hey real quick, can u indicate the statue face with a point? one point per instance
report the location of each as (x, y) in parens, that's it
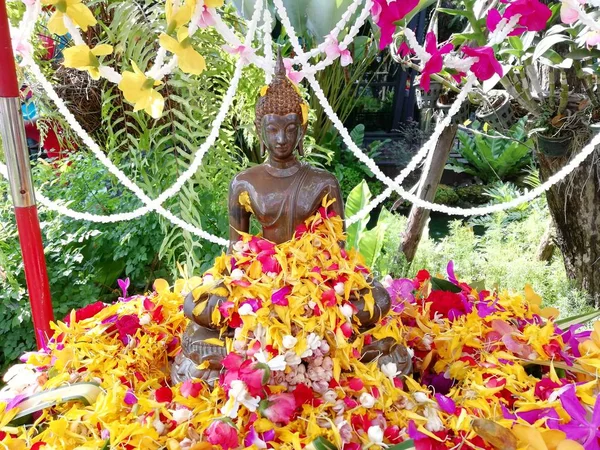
(281, 134)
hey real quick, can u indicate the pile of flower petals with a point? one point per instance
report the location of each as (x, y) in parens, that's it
(492, 370)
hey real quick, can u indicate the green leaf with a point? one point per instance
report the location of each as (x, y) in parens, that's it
(547, 43)
(438, 284)
(576, 320)
(358, 198)
(516, 42)
(406, 445)
(371, 242)
(454, 12)
(321, 443)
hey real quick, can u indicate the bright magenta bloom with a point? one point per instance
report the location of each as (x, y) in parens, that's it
(223, 434)
(534, 16)
(487, 65)
(436, 62)
(386, 15)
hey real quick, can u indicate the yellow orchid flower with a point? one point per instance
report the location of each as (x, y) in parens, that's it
(74, 9)
(189, 60)
(180, 17)
(83, 58)
(138, 89)
(213, 3)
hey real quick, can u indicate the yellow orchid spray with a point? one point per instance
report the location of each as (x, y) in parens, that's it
(84, 58)
(178, 16)
(74, 9)
(138, 89)
(189, 60)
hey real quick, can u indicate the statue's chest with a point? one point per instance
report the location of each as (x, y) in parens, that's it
(281, 202)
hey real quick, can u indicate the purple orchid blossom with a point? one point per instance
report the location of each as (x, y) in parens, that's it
(124, 285)
(579, 428)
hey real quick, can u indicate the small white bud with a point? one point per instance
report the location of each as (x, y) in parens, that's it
(289, 341)
(375, 435)
(237, 274)
(367, 400)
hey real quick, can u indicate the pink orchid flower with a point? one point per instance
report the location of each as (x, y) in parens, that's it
(206, 18)
(258, 439)
(435, 63)
(222, 433)
(245, 53)
(333, 51)
(487, 65)
(404, 50)
(568, 12)
(279, 297)
(295, 76)
(279, 408)
(386, 14)
(493, 19)
(592, 38)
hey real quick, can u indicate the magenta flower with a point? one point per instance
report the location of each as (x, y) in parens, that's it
(487, 65)
(222, 433)
(404, 50)
(446, 403)
(279, 297)
(279, 408)
(579, 428)
(435, 64)
(130, 398)
(258, 439)
(534, 14)
(124, 285)
(387, 14)
(190, 389)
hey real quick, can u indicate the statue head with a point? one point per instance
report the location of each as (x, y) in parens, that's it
(281, 116)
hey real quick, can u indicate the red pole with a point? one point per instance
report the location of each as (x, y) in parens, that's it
(21, 187)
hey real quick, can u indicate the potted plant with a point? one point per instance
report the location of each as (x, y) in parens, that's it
(428, 99)
(496, 110)
(444, 103)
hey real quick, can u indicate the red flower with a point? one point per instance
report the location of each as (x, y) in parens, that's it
(303, 394)
(127, 326)
(448, 304)
(328, 298)
(86, 312)
(422, 276)
(163, 395)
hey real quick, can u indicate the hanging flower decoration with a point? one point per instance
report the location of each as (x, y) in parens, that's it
(139, 90)
(334, 51)
(74, 10)
(188, 59)
(83, 58)
(386, 14)
(435, 62)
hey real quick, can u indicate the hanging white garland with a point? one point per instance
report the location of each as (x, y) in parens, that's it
(267, 64)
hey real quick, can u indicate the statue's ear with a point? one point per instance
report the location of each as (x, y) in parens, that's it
(301, 141)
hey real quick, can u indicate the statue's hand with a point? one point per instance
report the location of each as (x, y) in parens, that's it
(204, 319)
(382, 305)
(388, 351)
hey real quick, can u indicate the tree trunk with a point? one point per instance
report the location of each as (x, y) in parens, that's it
(547, 245)
(418, 216)
(575, 207)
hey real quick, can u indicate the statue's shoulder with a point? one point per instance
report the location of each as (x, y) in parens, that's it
(324, 176)
(245, 178)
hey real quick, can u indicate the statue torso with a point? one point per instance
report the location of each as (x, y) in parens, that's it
(279, 203)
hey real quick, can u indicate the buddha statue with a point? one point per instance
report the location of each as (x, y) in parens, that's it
(281, 194)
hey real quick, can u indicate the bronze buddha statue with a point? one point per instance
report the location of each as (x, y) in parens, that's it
(281, 193)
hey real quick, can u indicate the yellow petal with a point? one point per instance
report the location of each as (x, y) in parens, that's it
(190, 61)
(155, 104)
(531, 296)
(528, 435)
(77, 57)
(213, 3)
(169, 43)
(161, 286)
(182, 34)
(569, 445)
(102, 50)
(81, 15)
(263, 90)
(304, 108)
(131, 85)
(56, 24)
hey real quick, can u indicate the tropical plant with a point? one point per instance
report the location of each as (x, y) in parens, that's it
(367, 242)
(493, 156)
